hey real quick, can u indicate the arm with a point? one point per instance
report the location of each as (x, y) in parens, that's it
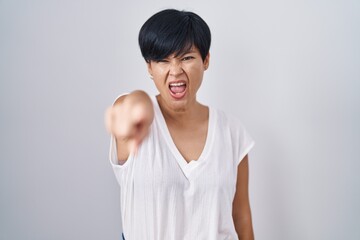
(129, 120)
(241, 204)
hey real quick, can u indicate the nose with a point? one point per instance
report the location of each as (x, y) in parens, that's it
(175, 69)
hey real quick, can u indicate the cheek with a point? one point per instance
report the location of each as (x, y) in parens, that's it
(161, 69)
(195, 73)
(159, 83)
(159, 74)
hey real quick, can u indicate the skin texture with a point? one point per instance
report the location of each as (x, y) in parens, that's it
(241, 204)
(129, 120)
(187, 120)
(188, 67)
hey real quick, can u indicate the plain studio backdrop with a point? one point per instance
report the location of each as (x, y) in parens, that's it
(290, 70)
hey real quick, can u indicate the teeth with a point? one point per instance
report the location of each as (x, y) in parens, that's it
(176, 84)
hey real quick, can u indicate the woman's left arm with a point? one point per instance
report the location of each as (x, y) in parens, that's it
(241, 204)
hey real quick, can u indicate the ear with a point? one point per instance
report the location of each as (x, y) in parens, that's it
(148, 64)
(207, 61)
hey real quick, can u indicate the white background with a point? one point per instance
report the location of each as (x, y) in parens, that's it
(290, 70)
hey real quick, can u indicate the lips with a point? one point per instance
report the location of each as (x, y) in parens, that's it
(177, 89)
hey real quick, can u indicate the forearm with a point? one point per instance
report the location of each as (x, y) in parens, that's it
(243, 227)
(241, 205)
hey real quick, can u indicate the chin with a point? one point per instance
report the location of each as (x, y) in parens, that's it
(176, 105)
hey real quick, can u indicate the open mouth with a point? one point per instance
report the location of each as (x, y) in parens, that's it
(177, 89)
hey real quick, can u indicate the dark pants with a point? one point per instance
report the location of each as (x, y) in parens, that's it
(123, 238)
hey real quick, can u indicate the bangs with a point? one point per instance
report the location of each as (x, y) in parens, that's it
(165, 40)
(173, 32)
(163, 49)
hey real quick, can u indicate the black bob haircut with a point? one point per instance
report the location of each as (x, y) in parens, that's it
(173, 32)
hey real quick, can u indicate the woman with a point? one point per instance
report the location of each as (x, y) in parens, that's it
(182, 166)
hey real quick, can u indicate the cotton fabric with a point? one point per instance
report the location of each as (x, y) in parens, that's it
(164, 197)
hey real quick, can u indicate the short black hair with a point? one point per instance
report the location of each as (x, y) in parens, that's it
(173, 32)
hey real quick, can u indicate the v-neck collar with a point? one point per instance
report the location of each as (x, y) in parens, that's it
(186, 167)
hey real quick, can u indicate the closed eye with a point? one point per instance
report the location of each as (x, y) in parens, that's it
(162, 61)
(187, 58)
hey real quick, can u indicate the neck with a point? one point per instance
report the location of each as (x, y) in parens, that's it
(192, 112)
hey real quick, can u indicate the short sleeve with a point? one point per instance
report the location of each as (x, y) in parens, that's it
(240, 140)
(112, 151)
(246, 143)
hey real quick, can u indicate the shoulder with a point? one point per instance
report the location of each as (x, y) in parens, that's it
(231, 127)
(228, 120)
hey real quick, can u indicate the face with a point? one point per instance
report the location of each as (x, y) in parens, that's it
(178, 79)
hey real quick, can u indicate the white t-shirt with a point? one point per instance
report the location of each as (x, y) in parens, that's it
(164, 197)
